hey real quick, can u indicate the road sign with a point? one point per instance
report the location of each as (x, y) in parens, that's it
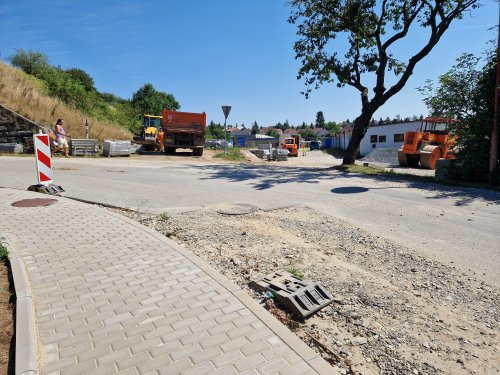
(43, 160)
(226, 109)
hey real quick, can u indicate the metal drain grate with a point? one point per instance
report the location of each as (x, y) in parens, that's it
(35, 202)
(299, 296)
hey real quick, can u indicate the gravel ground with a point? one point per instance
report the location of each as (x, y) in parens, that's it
(393, 312)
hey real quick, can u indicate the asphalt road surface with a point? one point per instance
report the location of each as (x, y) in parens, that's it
(449, 224)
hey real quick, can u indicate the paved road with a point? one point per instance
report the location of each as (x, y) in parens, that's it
(459, 225)
(111, 296)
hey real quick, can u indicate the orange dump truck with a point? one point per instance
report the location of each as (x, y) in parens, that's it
(184, 130)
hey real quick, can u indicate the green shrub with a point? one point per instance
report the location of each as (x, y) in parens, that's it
(232, 154)
(4, 254)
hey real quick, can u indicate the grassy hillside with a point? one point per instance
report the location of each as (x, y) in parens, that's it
(27, 95)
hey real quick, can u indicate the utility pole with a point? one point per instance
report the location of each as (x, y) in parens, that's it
(226, 109)
(494, 132)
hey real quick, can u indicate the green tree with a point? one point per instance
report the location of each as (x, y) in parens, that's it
(320, 120)
(255, 128)
(456, 87)
(31, 62)
(332, 127)
(465, 92)
(308, 134)
(215, 131)
(272, 132)
(82, 77)
(373, 30)
(148, 100)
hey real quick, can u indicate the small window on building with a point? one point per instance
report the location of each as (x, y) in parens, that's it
(374, 145)
(381, 138)
(399, 137)
(373, 139)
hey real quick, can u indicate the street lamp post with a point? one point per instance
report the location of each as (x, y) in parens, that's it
(226, 109)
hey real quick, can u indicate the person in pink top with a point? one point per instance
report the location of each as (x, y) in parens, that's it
(60, 141)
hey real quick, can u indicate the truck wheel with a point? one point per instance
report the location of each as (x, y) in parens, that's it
(200, 152)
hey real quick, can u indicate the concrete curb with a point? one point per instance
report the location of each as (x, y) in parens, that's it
(26, 339)
(303, 350)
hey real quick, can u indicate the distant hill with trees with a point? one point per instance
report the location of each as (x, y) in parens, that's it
(70, 93)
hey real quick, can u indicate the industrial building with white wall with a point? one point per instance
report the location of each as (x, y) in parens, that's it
(378, 136)
(386, 136)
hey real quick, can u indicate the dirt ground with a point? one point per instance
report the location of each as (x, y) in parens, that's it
(394, 311)
(6, 323)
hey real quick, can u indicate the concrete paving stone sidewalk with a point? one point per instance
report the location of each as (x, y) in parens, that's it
(110, 296)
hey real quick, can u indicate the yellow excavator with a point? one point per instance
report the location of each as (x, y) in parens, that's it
(151, 127)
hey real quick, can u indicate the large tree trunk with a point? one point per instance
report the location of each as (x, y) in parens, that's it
(361, 124)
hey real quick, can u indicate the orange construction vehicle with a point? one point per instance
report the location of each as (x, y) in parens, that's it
(292, 145)
(428, 144)
(184, 130)
(151, 127)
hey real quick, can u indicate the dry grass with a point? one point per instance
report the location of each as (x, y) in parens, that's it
(26, 95)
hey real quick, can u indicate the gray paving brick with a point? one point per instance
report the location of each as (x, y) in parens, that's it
(227, 317)
(221, 328)
(273, 366)
(186, 351)
(203, 326)
(249, 362)
(109, 368)
(113, 298)
(214, 341)
(256, 347)
(129, 371)
(185, 323)
(205, 355)
(301, 368)
(126, 343)
(234, 344)
(80, 368)
(114, 357)
(133, 361)
(76, 349)
(239, 331)
(194, 338)
(147, 345)
(155, 364)
(227, 359)
(176, 367)
(165, 348)
(202, 369)
(94, 353)
(63, 363)
(224, 371)
(276, 350)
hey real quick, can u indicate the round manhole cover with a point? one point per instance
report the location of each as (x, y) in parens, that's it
(36, 202)
(236, 209)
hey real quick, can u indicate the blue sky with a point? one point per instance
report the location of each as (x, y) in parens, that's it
(213, 53)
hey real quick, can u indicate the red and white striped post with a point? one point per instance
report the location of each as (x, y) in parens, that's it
(43, 159)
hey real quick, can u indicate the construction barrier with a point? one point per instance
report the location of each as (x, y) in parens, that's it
(43, 160)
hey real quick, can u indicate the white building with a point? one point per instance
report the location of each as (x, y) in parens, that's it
(386, 136)
(378, 136)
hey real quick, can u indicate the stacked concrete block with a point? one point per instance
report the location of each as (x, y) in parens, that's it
(12, 148)
(116, 148)
(83, 147)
